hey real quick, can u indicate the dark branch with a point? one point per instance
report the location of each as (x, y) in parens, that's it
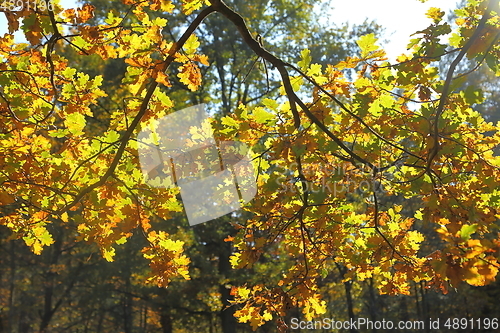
(144, 106)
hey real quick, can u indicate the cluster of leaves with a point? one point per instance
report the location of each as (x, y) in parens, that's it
(396, 129)
(53, 165)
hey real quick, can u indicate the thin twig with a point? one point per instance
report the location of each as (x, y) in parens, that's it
(142, 111)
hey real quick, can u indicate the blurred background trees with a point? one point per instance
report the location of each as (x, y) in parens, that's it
(71, 288)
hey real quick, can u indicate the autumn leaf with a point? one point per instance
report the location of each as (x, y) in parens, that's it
(85, 13)
(189, 6)
(75, 123)
(435, 14)
(367, 44)
(191, 44)
(390, 159)
(163, 79)
(190, 75)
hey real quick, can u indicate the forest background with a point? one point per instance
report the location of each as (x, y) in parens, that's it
(409, 147)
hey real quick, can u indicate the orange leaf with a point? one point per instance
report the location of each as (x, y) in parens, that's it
(85, 13)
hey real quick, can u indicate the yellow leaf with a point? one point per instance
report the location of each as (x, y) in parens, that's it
(267, 316)
(75, 122)
(167, 6)
(367, 44)
(435, 14)
(243, 292)
(108, 254)
(191, 44)
(315, 69)
(203, 59)
(235, 260)
(64, 217)
(174, 246)
(190, 6)
(314, 307)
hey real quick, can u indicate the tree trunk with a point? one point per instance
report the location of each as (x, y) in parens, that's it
(166, 322)
(350, 307)
(372, 303)
(348, 296)
(227, 313)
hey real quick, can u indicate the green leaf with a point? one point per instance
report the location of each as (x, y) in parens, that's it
(320, 193)
(190, 6)
(314, 70)
(228, 121)
(467, 230)
(161, 22)
(136, 41)
(299, 150)
(81, 43)
(270, 103)
(296, 83)
(191, 44)
(386, 101)
(442, 29)
(375, 109)
(45, 238)
(112, 136)
(59, 133)
(138, 28)
(121, 241)
(112, 19)
(82, 79)
(306, 59)
(69, 73)
(163, 98)
(412, 43)
(493, 63)
(261, 116)
(75, 122)
(96, 82)
(472, 95)
(28, 22)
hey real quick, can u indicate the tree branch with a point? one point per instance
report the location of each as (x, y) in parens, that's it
(449, 78)
(259, 50)
(238, 21)
(144, 106)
